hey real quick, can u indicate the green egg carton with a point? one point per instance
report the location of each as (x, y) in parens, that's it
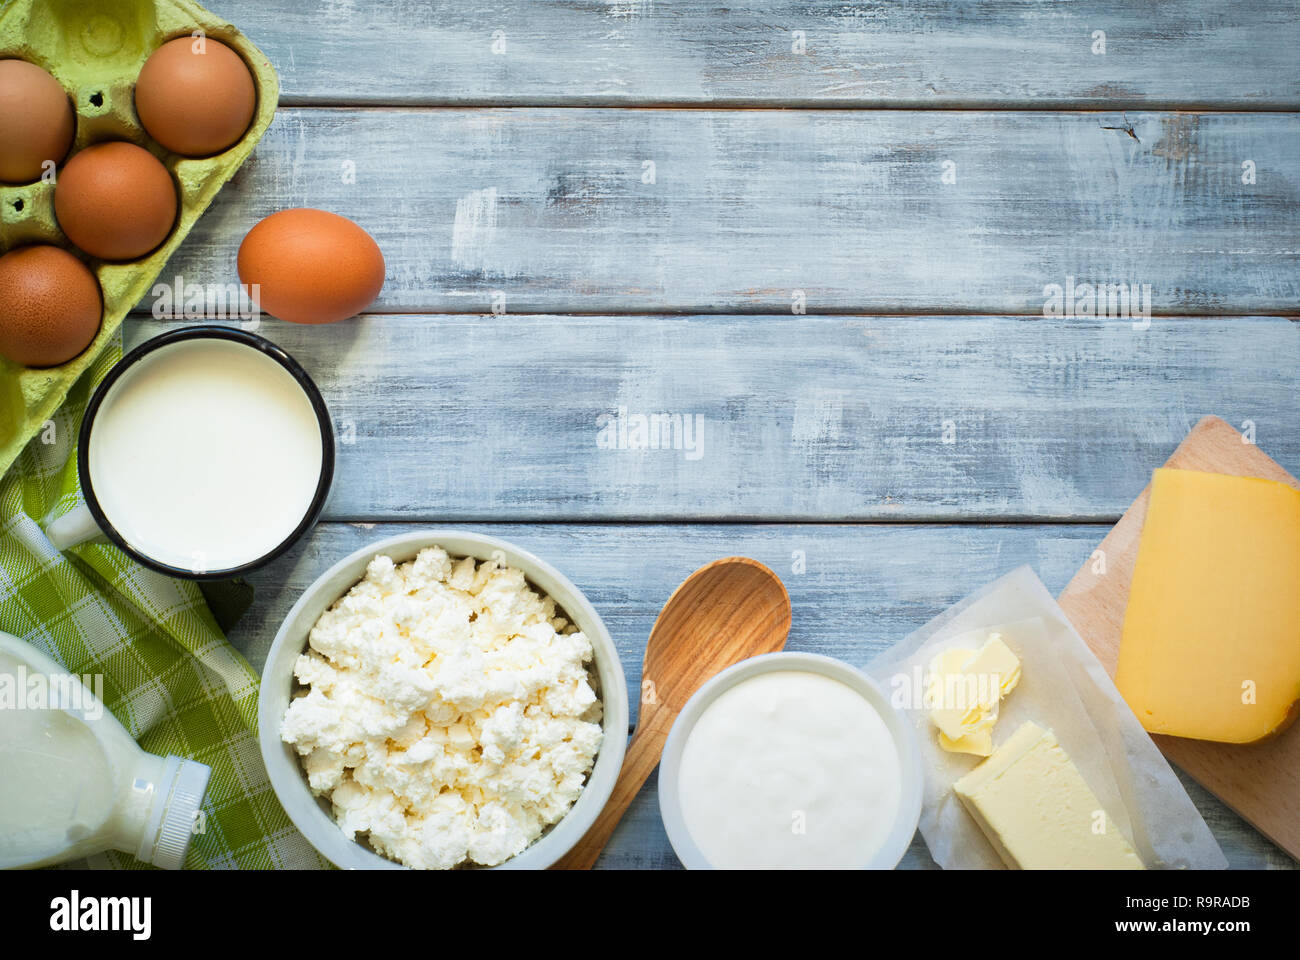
(95, 50)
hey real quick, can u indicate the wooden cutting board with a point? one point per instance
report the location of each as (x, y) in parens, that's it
(1260, 781)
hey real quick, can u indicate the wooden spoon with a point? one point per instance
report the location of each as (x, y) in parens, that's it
(725, 612)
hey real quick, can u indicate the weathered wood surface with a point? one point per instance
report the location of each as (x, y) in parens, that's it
(549, 207)
(862, 588)
(927, 52)
(865, 586)
(493, 419)
(792, 418)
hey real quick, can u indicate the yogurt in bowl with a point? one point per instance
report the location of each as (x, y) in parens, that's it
(790, 760)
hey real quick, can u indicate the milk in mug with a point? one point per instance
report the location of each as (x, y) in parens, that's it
(206, 455)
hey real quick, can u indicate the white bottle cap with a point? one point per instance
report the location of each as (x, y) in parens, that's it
(171, 821)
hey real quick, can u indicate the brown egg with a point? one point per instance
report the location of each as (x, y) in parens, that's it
(50, 306)
(36, 121)
(311, 266)
(195, 103)
(115, 200)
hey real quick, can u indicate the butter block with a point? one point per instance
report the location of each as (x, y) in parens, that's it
(963, 692)
(1038, 812)
(1211, 643)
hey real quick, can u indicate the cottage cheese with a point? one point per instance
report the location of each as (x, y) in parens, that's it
(449, 713)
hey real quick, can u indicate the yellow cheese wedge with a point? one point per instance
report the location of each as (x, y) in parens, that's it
(1211, 641)
(1038, 812)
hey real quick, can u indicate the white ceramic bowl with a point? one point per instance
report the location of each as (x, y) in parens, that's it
(312, 815)
(909, 754)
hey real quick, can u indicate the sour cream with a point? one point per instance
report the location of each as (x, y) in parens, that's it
(789, 769)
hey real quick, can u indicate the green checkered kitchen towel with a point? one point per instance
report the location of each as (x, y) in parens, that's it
(169, 674)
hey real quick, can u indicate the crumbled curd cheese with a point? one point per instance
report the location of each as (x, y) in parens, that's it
(449, 715)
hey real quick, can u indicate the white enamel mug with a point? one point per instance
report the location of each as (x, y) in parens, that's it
(202, 486)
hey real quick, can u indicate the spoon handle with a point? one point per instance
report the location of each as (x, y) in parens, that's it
(642, 757)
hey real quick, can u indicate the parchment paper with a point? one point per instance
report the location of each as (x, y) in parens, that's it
(1064, 688)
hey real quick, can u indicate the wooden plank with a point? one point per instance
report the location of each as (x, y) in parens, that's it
(549, 208)
(1260, 781)
(922, 53)
(808, 418)
(862, 588)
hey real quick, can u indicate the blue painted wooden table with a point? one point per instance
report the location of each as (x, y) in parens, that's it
(833, 240)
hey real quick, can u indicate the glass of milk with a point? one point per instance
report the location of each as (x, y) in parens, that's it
(206, 452)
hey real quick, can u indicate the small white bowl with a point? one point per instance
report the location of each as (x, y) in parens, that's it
(909, 754)
(312, 816)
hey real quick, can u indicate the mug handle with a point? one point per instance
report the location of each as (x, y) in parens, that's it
(74, 527)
